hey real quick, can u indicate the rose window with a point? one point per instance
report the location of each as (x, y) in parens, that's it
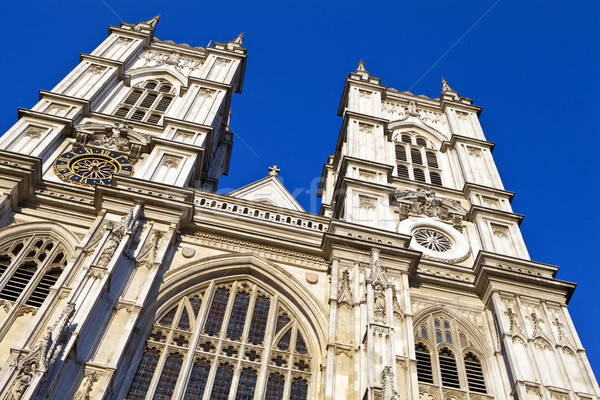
(432, 240)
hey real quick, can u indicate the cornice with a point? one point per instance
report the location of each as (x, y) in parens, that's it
(84, 104)
(119, 65)
(466, 106)
(22, 112)
(270, 252)
(346, 160)
(360, 83)
(145, 37)
(451, 144)
(477, 209)
(469, 188)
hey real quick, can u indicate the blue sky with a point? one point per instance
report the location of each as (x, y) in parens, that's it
(533, 67)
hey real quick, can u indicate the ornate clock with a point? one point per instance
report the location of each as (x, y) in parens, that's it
(91, 166)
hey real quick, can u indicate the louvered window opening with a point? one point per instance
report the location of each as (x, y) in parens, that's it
(147, 103)
(474, 374)
(414, 160)
(424, 370)
(448, 369)
(229, 323)
(30, 266)
(443, 367)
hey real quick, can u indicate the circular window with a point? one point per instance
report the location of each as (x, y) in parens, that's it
(435, 239)
(432, 240)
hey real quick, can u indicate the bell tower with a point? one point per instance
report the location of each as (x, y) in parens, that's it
(137, 107)
(429, 263)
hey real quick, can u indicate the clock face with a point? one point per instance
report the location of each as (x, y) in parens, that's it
(91, 167)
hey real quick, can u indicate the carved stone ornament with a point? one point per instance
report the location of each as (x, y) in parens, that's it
(128, 225)
(426, 202)
(387, 380)
(379, 282)
(147, 254)
(344, 292)
(118, 137)
(87, 386)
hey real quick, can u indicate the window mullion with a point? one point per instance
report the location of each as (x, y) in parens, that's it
(164, 353)
(17, 260)
(39, 274)
(263, 374)
(188, 361)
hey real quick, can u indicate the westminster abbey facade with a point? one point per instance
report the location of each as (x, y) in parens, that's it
(124, 275)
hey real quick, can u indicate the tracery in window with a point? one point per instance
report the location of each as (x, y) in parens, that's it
(37, 262)
(444, 361)
(147, 101)
(217, 333)
(417, 159)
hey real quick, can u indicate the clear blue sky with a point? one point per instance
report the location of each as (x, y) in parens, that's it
(533, 66)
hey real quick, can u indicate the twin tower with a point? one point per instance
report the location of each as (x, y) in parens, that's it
(123, 275)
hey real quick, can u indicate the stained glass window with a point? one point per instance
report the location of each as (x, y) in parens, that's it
(275, 387)
(196, 302)
(247, 384)
(222, 350)
(284, 342)
(300, 345)
(198, 378)
(168, 378)
(184, 321)
(238, 316)
(143, 376)
(222, 385)
(259, 320)
(299, 389)
(167, 320)
(217, 312)
(282, 321)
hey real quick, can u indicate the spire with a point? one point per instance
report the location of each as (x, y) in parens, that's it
(361, 67)
(154, 21)
(448, 92)
(445, 86)
(143, 26)
(239, 39)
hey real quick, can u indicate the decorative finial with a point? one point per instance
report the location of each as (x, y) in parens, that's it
(361, 66)
(154, 21)
(239, 39)
(274, 171)
(445, 86)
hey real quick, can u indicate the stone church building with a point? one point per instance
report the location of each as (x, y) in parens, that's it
(123, 275)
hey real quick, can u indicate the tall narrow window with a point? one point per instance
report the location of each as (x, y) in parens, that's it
(448, 369)
(147, 102)
(416, 160)
(400, 153)
(424, 371)
(474, 374)
(38, 262)
(230, 333)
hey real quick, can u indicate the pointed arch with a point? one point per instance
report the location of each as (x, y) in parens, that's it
(277, 327)
(480, 343)
(57, 231)
(419, 128)
(176, 78)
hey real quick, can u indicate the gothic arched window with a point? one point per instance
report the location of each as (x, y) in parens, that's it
(147, 101)
(442, 367)
(227, 340)
(29, 267)
(417, 159)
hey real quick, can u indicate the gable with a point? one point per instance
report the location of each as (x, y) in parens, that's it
(269, 191)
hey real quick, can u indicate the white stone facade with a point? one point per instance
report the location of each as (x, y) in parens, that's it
(413, 283)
